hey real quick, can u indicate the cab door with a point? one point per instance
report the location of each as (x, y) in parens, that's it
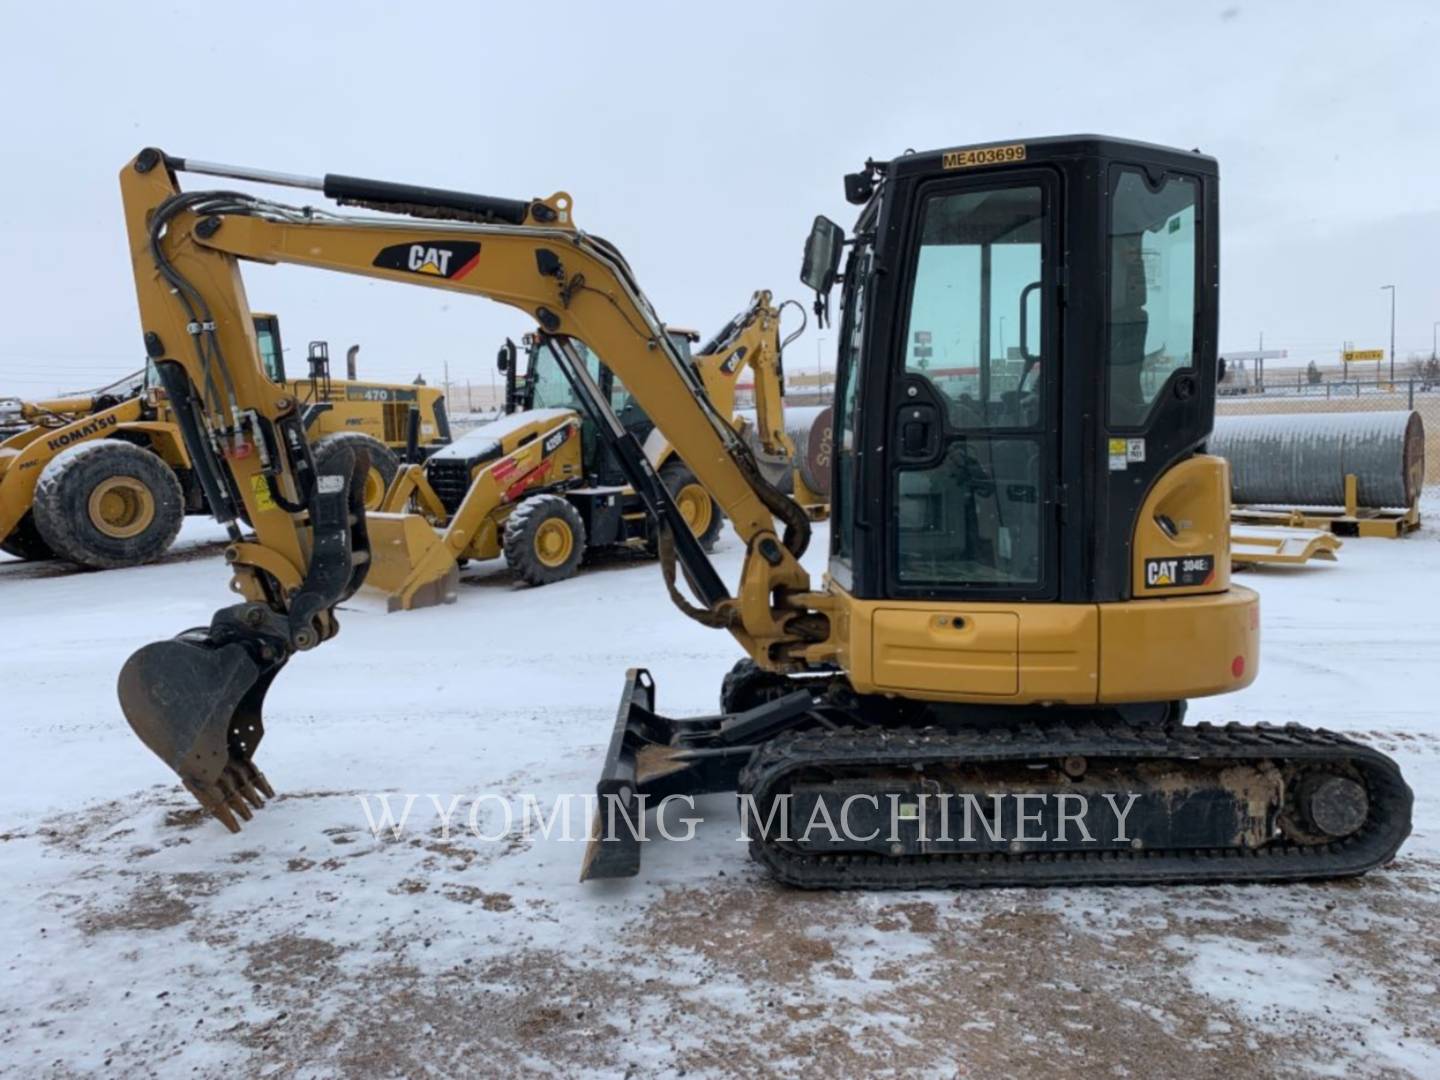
(973, 461)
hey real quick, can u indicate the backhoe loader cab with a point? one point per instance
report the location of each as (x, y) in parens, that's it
(572, 464)
(546, 386)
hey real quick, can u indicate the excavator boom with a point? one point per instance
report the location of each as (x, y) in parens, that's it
(196, 700)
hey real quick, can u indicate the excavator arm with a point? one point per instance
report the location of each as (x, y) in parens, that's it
(196, 700)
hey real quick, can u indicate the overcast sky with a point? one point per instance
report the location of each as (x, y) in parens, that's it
(702, 139)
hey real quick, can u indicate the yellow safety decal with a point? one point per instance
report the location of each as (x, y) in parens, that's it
(262, 492)
(987, 155)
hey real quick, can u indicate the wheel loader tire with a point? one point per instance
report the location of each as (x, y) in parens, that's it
(544, 540)
(747, 684)
(383, 462)
(108, 504)
(25, 541)
(699, 510)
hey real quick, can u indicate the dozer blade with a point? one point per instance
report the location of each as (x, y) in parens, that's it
(410, 562)
(196, 705)
(651, 757)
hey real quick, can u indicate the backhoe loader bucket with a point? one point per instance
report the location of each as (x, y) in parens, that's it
(410, 562)
(196, 703)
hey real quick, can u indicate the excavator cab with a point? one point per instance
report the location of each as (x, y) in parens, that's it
(1037, 355)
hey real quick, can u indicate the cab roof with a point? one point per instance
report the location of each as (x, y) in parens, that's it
(968, 156)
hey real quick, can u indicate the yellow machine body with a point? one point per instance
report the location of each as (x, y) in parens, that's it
(413, 562)
(35, 431)
(1198, 640)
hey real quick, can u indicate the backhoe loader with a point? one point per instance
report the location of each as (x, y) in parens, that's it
(103, 479)
(1029, 570)
(540, 486)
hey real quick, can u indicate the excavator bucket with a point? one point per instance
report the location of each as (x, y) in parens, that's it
(196, 699)
(410, 562)
(196, 704)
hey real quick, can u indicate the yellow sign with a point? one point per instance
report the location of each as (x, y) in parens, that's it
(261, 489)
(1363, 355)
(987, 155)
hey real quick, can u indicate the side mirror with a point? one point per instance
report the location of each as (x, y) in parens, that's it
(503, 359)
(822, 255)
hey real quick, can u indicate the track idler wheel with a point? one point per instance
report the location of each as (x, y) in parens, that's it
(1332, 806)
(196, 702)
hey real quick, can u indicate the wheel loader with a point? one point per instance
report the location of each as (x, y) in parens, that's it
(541, 487)
(1028, 572)
(104, 480)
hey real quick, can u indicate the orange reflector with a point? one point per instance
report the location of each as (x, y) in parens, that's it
(1237, 666)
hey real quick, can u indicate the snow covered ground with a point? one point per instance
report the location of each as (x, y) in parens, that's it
(137, 935)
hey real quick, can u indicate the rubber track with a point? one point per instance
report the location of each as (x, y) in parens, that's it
(1374, 844)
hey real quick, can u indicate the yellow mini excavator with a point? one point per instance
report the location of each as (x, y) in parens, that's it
(103, 479)
(1028, 572)
(540, 486)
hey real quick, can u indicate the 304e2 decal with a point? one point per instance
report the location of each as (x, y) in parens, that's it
(449, 259)
(1179, 573)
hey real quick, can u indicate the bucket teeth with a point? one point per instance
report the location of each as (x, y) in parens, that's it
(257, 778)
(220, 811)
(251, 795)
(235, 795)
(234, 802)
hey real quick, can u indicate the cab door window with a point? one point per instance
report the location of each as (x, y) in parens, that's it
(976, 341)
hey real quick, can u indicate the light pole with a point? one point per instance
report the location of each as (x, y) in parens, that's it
(1433, 328)
(1392, 330)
